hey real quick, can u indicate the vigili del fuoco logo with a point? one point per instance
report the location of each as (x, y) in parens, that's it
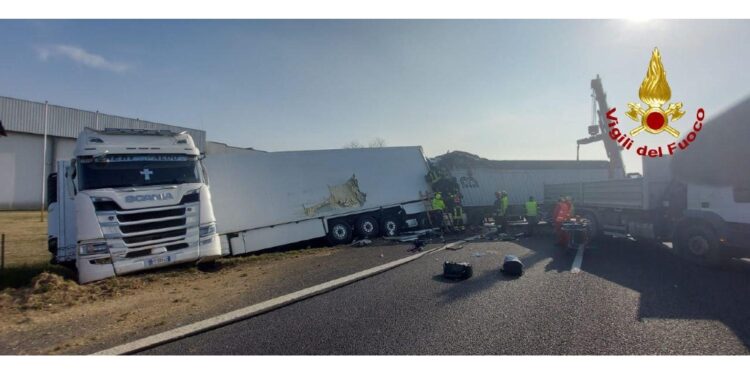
(654, 118)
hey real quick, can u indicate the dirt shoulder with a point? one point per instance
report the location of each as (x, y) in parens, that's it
(57, 316)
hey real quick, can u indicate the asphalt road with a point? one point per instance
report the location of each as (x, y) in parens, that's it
(629, 298)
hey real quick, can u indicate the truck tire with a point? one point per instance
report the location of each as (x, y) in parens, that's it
(339, 232)
(367, 227)
(52, 245)
(699, 244)
(592, 230)
(390, 226)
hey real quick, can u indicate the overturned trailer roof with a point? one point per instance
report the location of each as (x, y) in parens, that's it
(462, 159)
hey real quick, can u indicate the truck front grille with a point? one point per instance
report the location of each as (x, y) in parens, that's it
(136, 232)
(155, 236)
(152, 226)
(126, 218)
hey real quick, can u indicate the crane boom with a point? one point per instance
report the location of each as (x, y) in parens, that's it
(616, 165)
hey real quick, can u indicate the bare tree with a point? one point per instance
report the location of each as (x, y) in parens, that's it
(353, 144)
(377, 142)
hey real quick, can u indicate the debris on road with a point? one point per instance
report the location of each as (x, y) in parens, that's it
(361, 243)
(418, 245)
(502, 236)
(512, 266)
(577, 232)
(413, 235)
(457, 271)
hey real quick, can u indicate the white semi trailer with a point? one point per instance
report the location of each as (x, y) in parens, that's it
(706, 223)
(478, 179)
(268, 199)
(130, 200)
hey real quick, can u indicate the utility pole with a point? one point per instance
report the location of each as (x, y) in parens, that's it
(44, 163)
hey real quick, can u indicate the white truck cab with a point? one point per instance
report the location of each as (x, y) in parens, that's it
(130, 200)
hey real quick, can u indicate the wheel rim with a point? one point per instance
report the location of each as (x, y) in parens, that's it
(367, 227)
(698, 245)
(339, 231)
(591, 228)
(390, 228)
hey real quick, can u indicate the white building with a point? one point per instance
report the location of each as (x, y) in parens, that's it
(22, 151)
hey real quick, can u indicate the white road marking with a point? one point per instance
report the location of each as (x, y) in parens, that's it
(576, 268)
(259, 308)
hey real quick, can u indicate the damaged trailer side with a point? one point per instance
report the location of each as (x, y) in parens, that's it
(269, 199)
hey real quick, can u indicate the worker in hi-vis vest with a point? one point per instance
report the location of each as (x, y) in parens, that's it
(532, 215)
(438, 206)
(501, 207)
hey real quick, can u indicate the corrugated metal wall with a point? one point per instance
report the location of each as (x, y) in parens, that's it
(28, 117)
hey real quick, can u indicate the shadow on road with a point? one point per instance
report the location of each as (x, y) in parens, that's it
(669, 287)
(672, 288)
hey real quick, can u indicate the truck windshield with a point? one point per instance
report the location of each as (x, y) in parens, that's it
(117, 171)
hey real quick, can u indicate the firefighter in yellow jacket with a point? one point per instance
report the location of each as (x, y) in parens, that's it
(501, 210)
(438, 207)
(532, 215)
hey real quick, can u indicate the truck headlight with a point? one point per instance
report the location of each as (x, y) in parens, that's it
(93, 248)
(191, 196)
(208, 230)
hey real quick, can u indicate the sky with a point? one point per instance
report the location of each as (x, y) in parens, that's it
(502, 89)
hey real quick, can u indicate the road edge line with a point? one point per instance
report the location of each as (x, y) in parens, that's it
(578, 260)
(266, 306)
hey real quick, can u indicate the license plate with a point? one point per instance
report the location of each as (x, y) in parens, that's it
(158, 260)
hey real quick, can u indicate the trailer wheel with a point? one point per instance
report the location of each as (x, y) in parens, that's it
(339, 232)
(367, 227)
(390, 226)
(699, 244)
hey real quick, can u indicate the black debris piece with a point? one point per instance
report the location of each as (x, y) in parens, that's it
(418, 245)
(512, 266)
(361, 243)
(457, 271)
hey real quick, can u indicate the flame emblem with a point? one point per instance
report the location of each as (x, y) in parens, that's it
(655, 92)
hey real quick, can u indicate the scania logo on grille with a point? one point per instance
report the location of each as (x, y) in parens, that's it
(148, 197)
